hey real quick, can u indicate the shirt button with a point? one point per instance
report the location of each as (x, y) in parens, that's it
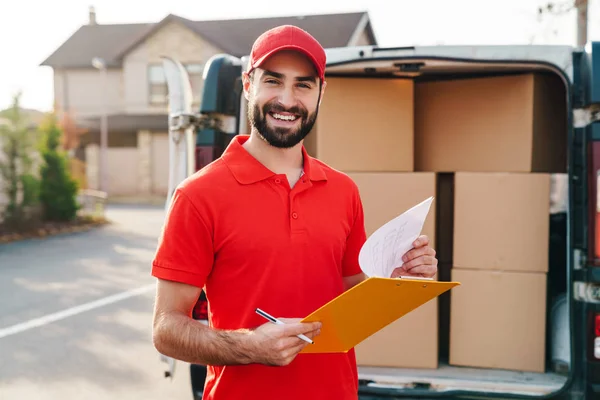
(277, 180)
(294, 215)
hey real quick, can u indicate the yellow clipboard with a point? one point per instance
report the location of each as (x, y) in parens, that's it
(367, 308)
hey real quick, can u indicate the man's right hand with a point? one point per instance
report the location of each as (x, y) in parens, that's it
(278, 345)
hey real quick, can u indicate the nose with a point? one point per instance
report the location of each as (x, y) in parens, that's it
(287, 98)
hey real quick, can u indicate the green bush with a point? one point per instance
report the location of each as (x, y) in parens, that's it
(31, 190)
(17, 145)
(58, 191)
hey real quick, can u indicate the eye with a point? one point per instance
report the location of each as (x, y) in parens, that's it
(271, 81)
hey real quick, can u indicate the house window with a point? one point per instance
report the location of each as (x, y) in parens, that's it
(158, 85)
(158, 92)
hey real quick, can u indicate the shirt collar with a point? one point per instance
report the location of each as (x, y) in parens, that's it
(246, 169)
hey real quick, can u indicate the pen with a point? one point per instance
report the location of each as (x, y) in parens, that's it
(278, 322)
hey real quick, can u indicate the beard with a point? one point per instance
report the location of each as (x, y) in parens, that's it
(282, 138)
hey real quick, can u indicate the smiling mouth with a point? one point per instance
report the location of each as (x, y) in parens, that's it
(284, 117)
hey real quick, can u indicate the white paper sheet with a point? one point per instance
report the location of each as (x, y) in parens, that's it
(383, 250)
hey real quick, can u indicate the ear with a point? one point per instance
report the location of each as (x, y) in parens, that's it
(246, 84)
(322, 92)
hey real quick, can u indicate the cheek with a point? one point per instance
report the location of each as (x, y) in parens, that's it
(261, 100)
(255, 104)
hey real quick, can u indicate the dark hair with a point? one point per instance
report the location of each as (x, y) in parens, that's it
(251, 77)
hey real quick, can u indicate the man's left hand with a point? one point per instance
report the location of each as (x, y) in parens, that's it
(420, 261)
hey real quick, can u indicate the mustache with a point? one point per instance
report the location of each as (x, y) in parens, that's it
(279, 108)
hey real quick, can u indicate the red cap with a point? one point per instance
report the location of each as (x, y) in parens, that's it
(287, 37)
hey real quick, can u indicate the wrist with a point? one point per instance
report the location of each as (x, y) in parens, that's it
(241, 344)
(247, 340)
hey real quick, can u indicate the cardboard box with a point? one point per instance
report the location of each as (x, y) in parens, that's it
(412, 341)
(498, 320)
(385, 195)
(365, 124)
(501, 221)
(493, 124)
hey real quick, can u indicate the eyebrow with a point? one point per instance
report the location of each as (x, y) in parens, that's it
(277, 75)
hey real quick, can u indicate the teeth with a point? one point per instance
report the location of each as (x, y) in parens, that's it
(285, 117)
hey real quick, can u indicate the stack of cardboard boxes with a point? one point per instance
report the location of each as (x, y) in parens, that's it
(485, 147)
(366, 129)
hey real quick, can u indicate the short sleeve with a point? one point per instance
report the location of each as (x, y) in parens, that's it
(355, 239)
(185, 246)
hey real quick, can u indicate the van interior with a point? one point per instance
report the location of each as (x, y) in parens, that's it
(489, 141)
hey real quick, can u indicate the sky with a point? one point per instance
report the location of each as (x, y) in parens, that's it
(30, 30)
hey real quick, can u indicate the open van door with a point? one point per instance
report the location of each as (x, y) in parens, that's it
(585, 201)
(220, 106)
(198, 138)
(181, 144)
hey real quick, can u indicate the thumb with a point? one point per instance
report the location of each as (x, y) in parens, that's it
(398, 271)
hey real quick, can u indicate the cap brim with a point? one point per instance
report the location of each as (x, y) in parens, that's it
(261, 60)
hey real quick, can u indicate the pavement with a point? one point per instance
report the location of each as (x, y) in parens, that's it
(76, 314)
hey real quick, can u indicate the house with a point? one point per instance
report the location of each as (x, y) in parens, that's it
(127, 82)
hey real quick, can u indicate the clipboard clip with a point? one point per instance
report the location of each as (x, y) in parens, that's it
(416, 278)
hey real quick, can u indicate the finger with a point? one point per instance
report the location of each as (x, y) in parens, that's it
(292, 352)
(291, 345)
(294, 339)
(416, 262)
(301, 328)
(422, 240)
(414, 253)
(398, 272)
(290, 320)
(426, 271)
(286, 352)
(296, 321)
(313, 334)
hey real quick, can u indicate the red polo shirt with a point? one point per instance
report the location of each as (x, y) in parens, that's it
(238, 230)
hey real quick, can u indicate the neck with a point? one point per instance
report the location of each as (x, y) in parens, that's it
(280, 161)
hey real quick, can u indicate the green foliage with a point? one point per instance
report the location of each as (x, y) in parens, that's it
(52, 196)
(58, 190)
(31, 190)
(17, 140)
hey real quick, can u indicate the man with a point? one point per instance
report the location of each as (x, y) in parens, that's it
(266, 226)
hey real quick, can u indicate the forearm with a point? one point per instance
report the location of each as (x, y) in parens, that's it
(351, 281)
(185, 339)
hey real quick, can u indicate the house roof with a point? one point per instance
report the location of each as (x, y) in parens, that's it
(233, 36)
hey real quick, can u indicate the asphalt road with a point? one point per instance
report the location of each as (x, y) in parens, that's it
(76, 313)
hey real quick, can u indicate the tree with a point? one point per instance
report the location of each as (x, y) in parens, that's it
(71, 133)
(58, 191)
(17, 139)
(70, 141)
